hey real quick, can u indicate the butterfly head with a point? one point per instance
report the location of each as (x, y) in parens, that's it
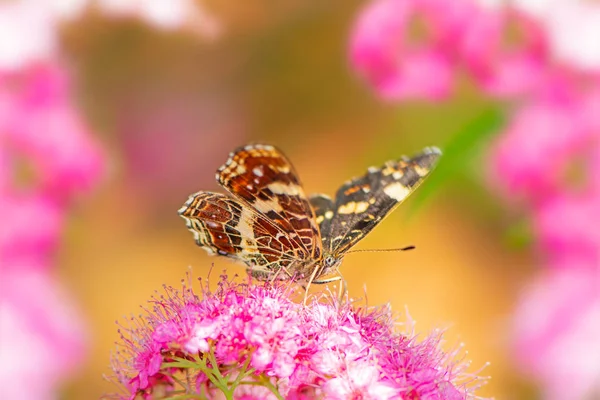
(330, 263)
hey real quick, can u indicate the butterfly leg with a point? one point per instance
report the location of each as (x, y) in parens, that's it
(311, 279)
(343, 284)
(276, 274)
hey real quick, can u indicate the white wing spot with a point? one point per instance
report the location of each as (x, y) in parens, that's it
(347, 208)
(285, 169)
(421, 171)
(240, 169)
(396, 191)
(361, 207)
(278, 188)
(353, 207)
(258, 171)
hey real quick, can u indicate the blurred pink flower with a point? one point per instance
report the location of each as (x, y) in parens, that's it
(549, 156)
(47, 156)
(42, 335)
(399, 66)
(44, 128)
(567, 228)
(509, 48)
(572, 28)
(153, 153)
(545, 137)
(258, 334)
(505, 67)
(173, 14)
(556, 331)
(27, 34)
(30, 232)
(36, 23)
(65, 156)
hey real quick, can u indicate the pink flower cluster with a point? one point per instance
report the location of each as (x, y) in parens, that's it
(544, 57)
(410, 49)
(47, 158)
(251, 341)
(549, 158)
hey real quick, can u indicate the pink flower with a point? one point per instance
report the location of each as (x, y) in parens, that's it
(44, 128)
(250, 333)
(360, 380)
(567, 225)
(556, 331)
(571, 28)
(504, 69)
(20, 245)
(169, 15)
(37, 23)
(544, 138)
(42, 335)
(400, 66)
(35, 29)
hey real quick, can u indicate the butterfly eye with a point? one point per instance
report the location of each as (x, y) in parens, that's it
(329, 261)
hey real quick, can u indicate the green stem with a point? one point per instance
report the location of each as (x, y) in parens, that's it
(180, 382)
(219, 380)
(216, 377)
(244, 372)
(267, 383)
(186, 397)
(180, 364)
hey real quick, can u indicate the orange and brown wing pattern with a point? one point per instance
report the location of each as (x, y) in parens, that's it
(262, 177)
(224, 226)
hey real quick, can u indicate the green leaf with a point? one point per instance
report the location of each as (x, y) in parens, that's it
(458, 153)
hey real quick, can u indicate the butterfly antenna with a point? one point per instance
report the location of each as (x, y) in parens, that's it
(381, 250)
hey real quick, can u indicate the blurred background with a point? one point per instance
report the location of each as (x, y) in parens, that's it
(158, 95)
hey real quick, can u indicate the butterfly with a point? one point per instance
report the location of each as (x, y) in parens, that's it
(267, 222)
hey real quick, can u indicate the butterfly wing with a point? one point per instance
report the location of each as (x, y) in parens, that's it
(221, 225)
(361, 203)
(324, 212)
(264, 179)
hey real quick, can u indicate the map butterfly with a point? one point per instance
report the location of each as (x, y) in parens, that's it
(268, 223)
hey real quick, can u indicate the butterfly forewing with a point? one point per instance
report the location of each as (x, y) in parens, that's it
(361, 203)
(324, 212)
(263, 178)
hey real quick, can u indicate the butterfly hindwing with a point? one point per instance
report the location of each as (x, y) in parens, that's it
(361, 203)
(224, 226)
(262, 177)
